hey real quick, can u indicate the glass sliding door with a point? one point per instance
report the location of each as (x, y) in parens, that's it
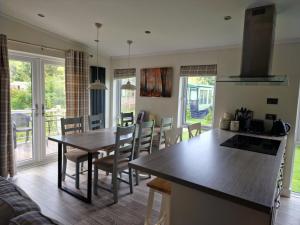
(22, 108)
(37, 86)
(54, 106)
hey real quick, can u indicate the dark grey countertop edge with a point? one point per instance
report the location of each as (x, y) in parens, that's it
(250, 204)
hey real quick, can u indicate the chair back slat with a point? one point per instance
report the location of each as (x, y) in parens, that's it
(145, 137)
(125, 140)
(173, 136)
(127, 119)
(194, 129)
(165, 124)
(71, 125)
(96, 121)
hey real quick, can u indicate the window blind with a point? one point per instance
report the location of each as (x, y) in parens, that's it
(124, 73)
(198, 70)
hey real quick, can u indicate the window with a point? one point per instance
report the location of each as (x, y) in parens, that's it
(125, 98)
(198, 104)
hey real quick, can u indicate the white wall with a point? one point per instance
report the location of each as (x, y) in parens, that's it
(229, 96)
(18, 30)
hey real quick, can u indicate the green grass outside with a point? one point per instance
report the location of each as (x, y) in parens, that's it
(296, 171)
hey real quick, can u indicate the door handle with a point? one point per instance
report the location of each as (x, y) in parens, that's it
(36, 110)
(43, 110)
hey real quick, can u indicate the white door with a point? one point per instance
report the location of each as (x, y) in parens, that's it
(37, 104)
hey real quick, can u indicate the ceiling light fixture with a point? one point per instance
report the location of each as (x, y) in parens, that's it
(129, 85)
(97, 85)
(41, 15)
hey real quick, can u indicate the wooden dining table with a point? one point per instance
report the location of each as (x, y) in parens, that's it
(90, 142)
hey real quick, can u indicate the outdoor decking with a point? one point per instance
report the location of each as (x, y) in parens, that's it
(23, 151)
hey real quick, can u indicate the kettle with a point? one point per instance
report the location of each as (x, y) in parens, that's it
(280, 128)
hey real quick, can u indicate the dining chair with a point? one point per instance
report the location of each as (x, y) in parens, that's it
(117, 163)
(72, 126)
(96, 121)
(173, 136)
(194, 129)
(166, 123)
(127, 119)
(144, 143)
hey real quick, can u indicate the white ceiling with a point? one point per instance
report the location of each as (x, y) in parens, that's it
(175, 24)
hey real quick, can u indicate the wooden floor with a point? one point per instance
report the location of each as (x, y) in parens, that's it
(41, 184)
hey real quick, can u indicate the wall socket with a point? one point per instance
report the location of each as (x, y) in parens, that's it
(271, 116)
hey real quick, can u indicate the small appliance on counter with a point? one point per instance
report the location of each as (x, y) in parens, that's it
(257, 126)
(225, 121)
(280, 128)
(244, 116)
(235, 125)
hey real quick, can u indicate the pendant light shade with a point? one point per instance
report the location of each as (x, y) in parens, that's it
(128, 85)
(97, 85)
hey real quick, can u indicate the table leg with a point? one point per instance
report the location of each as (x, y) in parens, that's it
(89, 183)
(59, 175)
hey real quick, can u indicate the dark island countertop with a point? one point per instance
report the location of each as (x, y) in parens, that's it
(245, 177)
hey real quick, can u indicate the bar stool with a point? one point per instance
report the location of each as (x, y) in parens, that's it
(162, 187)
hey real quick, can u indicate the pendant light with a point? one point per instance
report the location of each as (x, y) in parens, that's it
(97, 85)
(128, 85)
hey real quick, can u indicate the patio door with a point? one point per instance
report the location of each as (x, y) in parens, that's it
(37, 104)
(53, 102)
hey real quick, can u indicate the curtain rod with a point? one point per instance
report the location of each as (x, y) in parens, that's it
(36, 45)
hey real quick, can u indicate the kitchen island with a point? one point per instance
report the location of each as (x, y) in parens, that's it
(217, 185)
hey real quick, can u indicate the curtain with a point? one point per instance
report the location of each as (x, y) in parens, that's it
(6, 144)
(198, 70)
(124, 73)
(77, 96)
(97, 97)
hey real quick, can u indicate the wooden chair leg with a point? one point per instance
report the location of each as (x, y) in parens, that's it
(95, 180)
(77, 175)
(130, 180)
(137, 177)
(64, 168)
(115, 186)
(149, 207)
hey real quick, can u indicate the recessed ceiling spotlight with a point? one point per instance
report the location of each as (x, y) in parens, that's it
(41, 15)
(227, 17)
(147, 32)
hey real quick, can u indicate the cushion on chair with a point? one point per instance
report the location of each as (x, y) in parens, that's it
(160, 185)
(76, 155)
(107, 163)
(33, 218)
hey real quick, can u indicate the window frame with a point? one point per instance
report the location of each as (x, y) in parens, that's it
(119, 97)
(185, 94)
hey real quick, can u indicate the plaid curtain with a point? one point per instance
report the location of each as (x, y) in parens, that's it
(198, 70)
(77, 101)
(6, 146)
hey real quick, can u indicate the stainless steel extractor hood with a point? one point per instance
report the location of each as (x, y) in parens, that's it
(258, 43)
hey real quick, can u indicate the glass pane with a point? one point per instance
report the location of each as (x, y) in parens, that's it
(128, 97)
(200, 100)
(21, 105)
(55, 102)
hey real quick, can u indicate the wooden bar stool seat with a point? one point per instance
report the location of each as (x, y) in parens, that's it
(164, 188)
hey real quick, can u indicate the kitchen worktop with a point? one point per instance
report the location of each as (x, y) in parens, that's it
(244, 177)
